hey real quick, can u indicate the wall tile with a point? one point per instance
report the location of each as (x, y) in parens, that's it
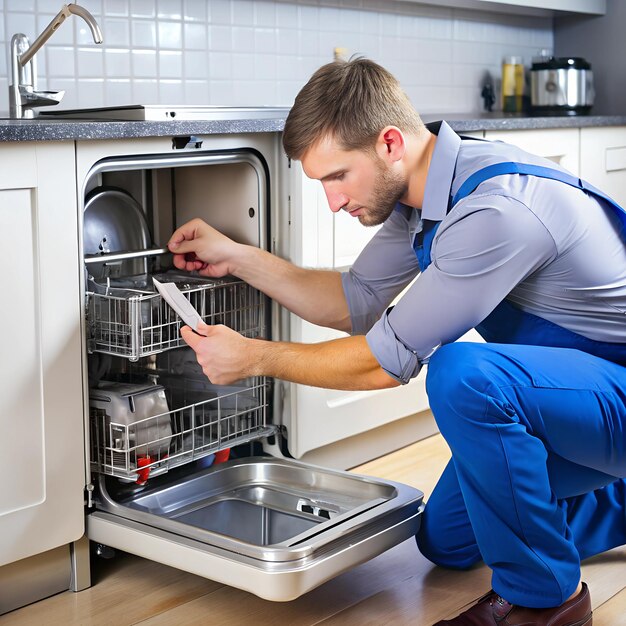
(21, 23)
(266, 40)
(43, 6)
(117, 62)
(4, 95)
(90, 92)
(170, 64)
(196, 64)
(116, 8)
(243, 12)
(19, 5)
(61, 61)
(195, 37)
(308, 18)
(90, 63)
(220, 12)
(243, 67)
(142, 8)
(171, 91)
(196, 92)
(265, 67)
(117, 32)
(264, 14)
(118, 92)
(195, 11)
(221, 38)
(243, 39)
(221, 92)
(146, 91)
(220, 66)
(170, 35)
(287, 15)
(143, 33)
(170, 9)
(144, 63)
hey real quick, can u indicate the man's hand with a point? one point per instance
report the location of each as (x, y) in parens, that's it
(198, 246)
(224, 355)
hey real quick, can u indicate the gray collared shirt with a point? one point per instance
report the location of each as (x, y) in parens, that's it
(548, 248)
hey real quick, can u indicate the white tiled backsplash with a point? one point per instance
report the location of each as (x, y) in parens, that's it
(243, 52)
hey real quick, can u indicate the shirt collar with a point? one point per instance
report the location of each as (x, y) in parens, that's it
(440, 172)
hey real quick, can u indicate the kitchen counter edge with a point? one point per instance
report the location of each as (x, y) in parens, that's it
(61, 130)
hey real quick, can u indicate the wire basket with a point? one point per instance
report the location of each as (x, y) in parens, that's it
(131, 320)
(204, 419)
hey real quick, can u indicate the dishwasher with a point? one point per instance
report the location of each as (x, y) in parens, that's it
(159, 481)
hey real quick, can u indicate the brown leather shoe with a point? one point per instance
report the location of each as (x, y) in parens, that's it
(492, 610)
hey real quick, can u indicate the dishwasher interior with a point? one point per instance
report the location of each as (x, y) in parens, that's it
(160, 433)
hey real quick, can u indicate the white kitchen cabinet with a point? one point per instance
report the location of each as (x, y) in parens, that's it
(42, 463)
(560, 145)
(603, 160)
(324, 240)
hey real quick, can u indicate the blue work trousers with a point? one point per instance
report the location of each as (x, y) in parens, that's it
(536, 480)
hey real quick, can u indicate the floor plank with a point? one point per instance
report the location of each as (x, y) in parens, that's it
(125, 590)
(399, 587)
(612, 612)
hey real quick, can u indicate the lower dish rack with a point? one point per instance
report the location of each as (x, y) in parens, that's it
(202, 419)
(128, 318)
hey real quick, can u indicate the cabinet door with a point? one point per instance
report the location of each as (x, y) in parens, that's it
(603, 160)
(560, 145)
(41, 408)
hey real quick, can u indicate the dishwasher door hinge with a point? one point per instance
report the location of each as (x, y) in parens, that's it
(89, 496)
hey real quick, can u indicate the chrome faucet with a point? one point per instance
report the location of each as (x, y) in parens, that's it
(23, 94)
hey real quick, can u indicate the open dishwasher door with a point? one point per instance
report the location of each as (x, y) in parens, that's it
(274, 527)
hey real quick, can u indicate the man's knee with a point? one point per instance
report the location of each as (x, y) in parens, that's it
(440, 547)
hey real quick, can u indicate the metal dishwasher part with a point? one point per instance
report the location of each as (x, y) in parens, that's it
(274, 527)
(113, 221)
(202, 419)
(134, 321)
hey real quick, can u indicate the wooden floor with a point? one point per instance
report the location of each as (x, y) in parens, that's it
(399, 587)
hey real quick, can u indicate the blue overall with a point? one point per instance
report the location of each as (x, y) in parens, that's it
(536, 421)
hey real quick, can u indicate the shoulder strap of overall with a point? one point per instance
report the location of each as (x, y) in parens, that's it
(509, 167)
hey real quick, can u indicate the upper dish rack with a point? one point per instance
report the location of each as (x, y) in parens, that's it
(128, 318)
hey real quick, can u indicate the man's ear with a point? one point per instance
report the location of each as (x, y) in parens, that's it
(390, 144)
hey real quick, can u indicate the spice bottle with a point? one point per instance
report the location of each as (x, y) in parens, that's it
(512, 84)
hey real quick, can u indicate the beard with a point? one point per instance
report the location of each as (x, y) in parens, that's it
(389, 187)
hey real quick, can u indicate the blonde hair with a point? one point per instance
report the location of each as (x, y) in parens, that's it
(351, 101)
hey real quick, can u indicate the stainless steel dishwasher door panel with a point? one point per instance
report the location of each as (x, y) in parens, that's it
(274, 527)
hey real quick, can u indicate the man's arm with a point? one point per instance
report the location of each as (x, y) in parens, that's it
(314, 295)
(347, 363)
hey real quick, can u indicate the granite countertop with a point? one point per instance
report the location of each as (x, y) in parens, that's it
(59, 130)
